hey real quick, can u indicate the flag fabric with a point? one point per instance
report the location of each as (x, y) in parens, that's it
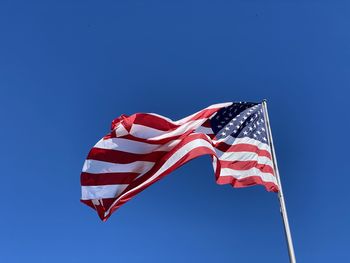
(144, 147)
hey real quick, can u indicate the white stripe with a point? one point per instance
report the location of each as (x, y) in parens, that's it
(239, 174)
(170, 162)
(101, 191)
(229, 140)
(146, 132)
(95, 167)
(243, 156)
(131, 146)
(204, 130)
(120, 130)
(191, 125)
(220, 105)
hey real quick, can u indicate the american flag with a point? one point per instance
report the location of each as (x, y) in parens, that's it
(144, 147)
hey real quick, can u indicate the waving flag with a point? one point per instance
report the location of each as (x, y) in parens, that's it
(144, 147)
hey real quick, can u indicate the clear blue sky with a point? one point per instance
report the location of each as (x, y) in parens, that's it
(67, 68)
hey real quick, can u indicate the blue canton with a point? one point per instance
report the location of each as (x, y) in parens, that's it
(241, 119)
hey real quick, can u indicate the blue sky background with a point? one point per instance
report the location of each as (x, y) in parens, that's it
(67, 68)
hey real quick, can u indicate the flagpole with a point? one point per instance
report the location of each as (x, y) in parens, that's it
(280, 192)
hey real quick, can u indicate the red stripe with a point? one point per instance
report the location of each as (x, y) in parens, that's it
(245, 182)
(89, 179)
(242, 147)
(246, 165)
(100, 208)
(154, 122)
(207, 124)
(211, 136)
(114, 156)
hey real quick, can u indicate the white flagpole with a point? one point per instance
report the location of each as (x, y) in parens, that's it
(280, 192)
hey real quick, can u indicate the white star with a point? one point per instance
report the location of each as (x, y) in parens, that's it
(245, 117)
(238, 126)
(223, 133)
(245, 132)
(259, 132)
(262, 129)
(254, 135)
(231, 123)
(258, 122)
(234, 131)
(262, 120)
(219, 126)
(250, 128)
(227, 128)
(241, 122)
(264, 139)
